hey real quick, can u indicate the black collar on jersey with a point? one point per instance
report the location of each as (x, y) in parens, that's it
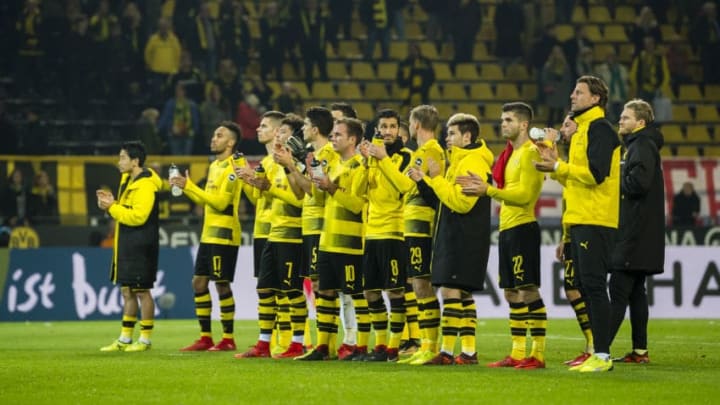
(395, 147)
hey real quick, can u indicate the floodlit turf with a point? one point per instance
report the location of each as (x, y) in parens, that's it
(59, 363)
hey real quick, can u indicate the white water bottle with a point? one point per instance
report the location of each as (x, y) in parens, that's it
(174, 172)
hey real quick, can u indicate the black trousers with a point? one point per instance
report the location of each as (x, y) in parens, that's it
(591, 247)
(628, 288)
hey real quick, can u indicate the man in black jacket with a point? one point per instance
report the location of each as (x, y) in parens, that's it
(640, 243)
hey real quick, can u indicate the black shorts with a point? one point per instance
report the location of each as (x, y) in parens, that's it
(340, 272)
(311, 243)
(258, 246)
(519, 256)
(570, 280)
(280, 267)
(216, 261)
(137, 287)
(384, 264)
(419, 256)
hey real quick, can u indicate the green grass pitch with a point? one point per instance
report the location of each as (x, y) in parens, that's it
(59, 363)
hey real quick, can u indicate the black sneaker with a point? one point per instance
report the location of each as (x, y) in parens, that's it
(316, 355)
(378, 354)
(409, 347)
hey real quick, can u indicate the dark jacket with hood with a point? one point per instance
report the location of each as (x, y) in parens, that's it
(640, 243)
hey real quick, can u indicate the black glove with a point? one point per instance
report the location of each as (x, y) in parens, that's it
(297, 148)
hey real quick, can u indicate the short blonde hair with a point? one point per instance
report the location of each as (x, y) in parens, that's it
(466, 123)
(642, 109)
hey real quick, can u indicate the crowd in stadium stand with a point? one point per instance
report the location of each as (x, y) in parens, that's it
(170, 69)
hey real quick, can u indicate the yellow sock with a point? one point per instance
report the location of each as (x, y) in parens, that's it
(451, 319)
(283, 320)
(146, 328)
(431, 313)
(363, 320)
(128, 327)
(537, 323)
(397, 321)
(518, 329)
(379, 317)
(468, 326)
(227, 314)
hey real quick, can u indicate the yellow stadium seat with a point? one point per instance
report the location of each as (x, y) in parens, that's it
(376, 91)
(487, 132)
(672, 133)
(711, 151)
(337, 70)
(615, 33)
(563, 32)
(387, 70)
(492, 71)
(625, 52)
(466, 71)
(492, 111)
(599, 14)
(507, 91)
(365, 111)
(624, 14)
(289, 72)
(665, 151)
(349, 48)
(528, 91)
(481, 91)
(480, 51)
(687, 151)
(698, 134)
(398, 50)
(712, 92)
(361, 71)
(349, 91)
(435, 92)
(323, 90)
(445, 110)
(689, 92)
(706, 113)
(412, 30)
(517, 72)
(578, 15)
(442, 71)
(681, 113)
(302, 89)
(427, 48)
(454, 91)
(468, 108)
(275, 86)
(592, 31)
(601, 51)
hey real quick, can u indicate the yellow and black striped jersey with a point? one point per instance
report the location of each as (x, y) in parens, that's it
(263, 205)
(286, 210)
(343, 229)
(314, 203)
(221, 197)
(385, 200)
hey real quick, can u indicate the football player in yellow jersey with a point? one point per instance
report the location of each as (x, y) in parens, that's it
(517, 188)
(461, 244)
(419, 219)
(591, 181)
(220, 237)
(571, 280)
(349, 304)
(279, 278)
(385, 257)
(341, 242)
(256, 182)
